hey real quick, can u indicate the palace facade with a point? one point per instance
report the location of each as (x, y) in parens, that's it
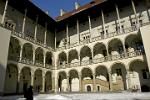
(98, 47)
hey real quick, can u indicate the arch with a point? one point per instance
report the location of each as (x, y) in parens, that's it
(139, 72)
(101, 73)
(133, 42)
(73, 56)
(73, 80)
(48, 58)
(119, 73)
(62, 59)
(99, 48)
(38, 80)
(85, 55)
(39, 55)
(11, 78)
(48, 81)
(14, 49)
(115, 46)
(25, 79)
(87, 73)
(27, 52)
(62, 81)
(89, 88)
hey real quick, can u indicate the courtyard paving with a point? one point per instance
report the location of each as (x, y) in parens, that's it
(85, 96)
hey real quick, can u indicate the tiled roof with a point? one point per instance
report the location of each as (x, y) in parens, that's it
(80, 9)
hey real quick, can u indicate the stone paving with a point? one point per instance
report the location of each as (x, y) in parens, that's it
(85, 96)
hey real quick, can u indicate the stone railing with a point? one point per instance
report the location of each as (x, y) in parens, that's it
(94, 39)
(104, 59)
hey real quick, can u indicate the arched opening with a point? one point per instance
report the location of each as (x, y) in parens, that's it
(38, 80)
(133, 43)
(39, 56)
(49, 59)
(102, 78)
(27, 53)
(25, 79)
(86, 55)
(99, 52)
(89, 88)
(11, 79)
(73, 81)
(14, 49)
(139, 76)
(87, 78)
(118, 77)
(73, 58)
(62, 82)
(62, 61)
(48, 82)
(115, 48)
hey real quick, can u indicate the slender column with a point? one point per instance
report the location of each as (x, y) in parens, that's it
(43, 82)
(78, 30)
(80, 82)
(44, 60)
(21, 49)
(94, 83)
(45, 34)
(67, 36)
(68, 84)
(55, 39)
(79, 59)
(33, 57)
(124, 49)
(118, 16)
(67, 64)
(92, 55)
(103, 22)
(135, 13)
(18, 81)
(5, 11)
(24, 22)
(32, 78)
(35, 32)
(128, 80)
(110, 81)
(90, 26)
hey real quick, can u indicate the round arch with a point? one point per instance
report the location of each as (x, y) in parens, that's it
(27, 52)
(73, 56)
(39, 55)
(38, 80)
(62, 81)
(11, 77)
(62, 59)
(14, 49)
(48, 59)
(139, 76)
(118, 71)
(48, 81)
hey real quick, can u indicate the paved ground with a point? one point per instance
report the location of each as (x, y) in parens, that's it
(85, 96)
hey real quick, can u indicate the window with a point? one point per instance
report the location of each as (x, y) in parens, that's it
(98, 88)
(118, 71)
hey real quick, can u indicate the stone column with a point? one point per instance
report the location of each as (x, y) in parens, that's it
(5, 11)
(18, 81)
(55, 40)
(90, 26)
(21, 49)
(24, 22)
(124, 49)
(44, 60)
(33, 56)
(68, 84)
(78, 30)
(67, 35)
(128, 81)
(118, 16)
(110, 81)
(80, 83)
(32, 78)
(103, 22)
(94, 83)
(135, 13)
(45, 34)
(79, 59)
(35, 31)
(43, 82)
